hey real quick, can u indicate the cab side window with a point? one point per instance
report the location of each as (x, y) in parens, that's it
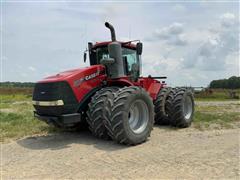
(130, 58)
(102, 53)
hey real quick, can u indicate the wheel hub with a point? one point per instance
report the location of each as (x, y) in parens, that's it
(187, 107)
(138, 116)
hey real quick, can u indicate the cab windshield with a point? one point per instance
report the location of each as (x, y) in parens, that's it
(129, 56)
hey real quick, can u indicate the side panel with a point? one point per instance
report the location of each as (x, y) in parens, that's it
(153, 90)
(82, 85)
(85, 87)
(120, 82)
(152, 86)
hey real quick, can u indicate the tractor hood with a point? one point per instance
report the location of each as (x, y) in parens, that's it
(76, 83)
(81, 81)
(75, 74)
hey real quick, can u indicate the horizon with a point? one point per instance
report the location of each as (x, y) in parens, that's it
(173, 86)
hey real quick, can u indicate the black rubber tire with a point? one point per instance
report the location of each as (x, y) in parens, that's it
(169, 102)
(176, 112)
(161, 116)
(118, 125)
(99, 110)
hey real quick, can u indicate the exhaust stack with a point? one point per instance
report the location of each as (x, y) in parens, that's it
(111, 28)
(114, 64)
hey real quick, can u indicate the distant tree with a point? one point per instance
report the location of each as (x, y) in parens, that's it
(230, 83)
(16, 84)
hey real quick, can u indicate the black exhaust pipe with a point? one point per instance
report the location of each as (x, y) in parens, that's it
(109, 26)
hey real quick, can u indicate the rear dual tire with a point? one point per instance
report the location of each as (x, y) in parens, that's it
(161, 116)
(180, 107)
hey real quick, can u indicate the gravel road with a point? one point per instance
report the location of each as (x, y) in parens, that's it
(169, 153)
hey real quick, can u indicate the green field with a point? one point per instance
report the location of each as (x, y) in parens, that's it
(216, 95)
(215, 119)
(16, 116)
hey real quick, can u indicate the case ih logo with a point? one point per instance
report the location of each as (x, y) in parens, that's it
(86, 78)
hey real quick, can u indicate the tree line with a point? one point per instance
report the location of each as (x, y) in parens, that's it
(17, 84)
(230, 83)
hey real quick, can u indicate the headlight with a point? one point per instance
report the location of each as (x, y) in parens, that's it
(48, 103)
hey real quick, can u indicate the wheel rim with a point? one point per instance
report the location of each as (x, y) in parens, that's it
(138, 116)
(188, 107)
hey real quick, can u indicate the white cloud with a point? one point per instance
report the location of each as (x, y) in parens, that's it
(227, 19)
(166, 32)
(4, 58)
(24, 75)
(211, 55)
(179, 40)
(172, 35)
(179, 8)
(32, 68)
(175, 28)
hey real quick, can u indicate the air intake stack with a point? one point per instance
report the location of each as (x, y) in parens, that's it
(115, 62)
(113, 35)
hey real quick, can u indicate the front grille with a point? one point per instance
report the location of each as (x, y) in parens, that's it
(55, 91)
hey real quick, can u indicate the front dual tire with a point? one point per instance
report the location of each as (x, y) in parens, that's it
(99, 111)
(132, 116)
(125, 115)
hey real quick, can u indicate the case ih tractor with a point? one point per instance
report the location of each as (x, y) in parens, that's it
(111, 96)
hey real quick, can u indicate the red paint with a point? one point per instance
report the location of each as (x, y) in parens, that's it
(121, 82)
(75, 75)
(124, 44)
(81, 84)
(81, 89)
(152, 86)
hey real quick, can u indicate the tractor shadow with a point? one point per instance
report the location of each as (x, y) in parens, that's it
(166, 127)
(64, 140)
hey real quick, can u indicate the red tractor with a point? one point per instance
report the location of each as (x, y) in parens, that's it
(111, 96)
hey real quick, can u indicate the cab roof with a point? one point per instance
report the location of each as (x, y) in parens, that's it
(127, 44)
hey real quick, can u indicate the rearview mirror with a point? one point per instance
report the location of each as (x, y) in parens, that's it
(90, 46)
(139, 47)
(85, 56)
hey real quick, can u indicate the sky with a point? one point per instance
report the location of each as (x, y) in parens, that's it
(190, 42)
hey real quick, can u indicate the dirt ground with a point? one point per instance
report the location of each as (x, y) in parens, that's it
(186, 153)
(168, 154)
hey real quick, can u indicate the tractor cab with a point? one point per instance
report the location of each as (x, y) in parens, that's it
(130, 57)
(121, 59)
